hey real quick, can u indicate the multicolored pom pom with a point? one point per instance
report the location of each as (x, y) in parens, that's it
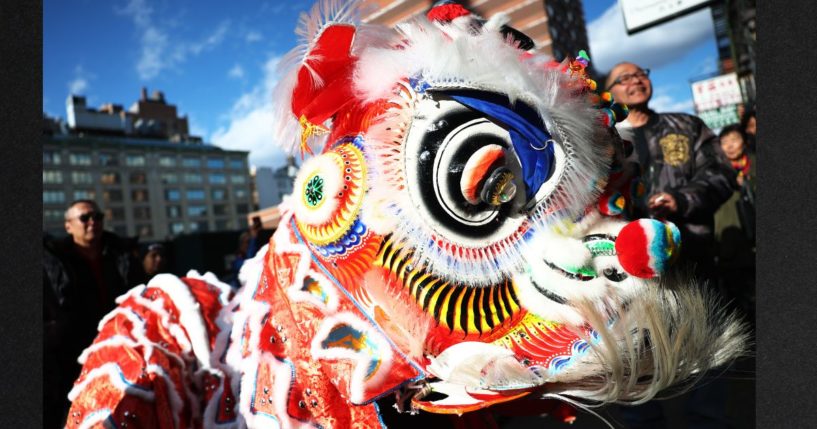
(620, 111)
(647, 247)
(608, 119)
(612, 204)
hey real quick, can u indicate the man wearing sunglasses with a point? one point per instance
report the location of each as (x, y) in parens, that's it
(82, 275)
(687, 177)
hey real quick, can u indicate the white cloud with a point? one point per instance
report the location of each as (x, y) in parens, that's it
(155, 41)
(77, 86)
(152, 59)
(658, 46)
(212, 40)
(80, 83)
(707, 66)
(250, 123)
(253, 36)
(663, 101)
(237, 72)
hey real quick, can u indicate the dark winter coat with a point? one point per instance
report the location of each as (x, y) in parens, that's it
(681, 156)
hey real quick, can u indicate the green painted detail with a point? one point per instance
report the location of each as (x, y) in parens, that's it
(314, 191)
(584, 271)
(601, 248)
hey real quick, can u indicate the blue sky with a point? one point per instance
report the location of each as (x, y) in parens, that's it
(217, 62)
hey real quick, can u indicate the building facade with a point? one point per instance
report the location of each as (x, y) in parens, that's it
(152, 187)
(271, 185)
(735, 35)
(557, 27)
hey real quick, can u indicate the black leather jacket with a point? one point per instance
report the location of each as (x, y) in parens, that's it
(680, 155)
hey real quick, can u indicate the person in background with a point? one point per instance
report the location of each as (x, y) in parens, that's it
(685, 172)
(82, 276)
(153, 259)
(687, 178)
(249, 242)
(735, 225)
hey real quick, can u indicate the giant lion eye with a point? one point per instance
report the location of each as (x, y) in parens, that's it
(470, 170)
(462, 171)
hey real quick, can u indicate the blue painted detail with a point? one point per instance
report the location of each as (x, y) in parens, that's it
(347, 337)
(418, 83)
(531, 140)
(578, 350)
(317, 292)
(352, 238)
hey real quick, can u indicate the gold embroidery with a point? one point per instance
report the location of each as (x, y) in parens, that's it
(675, 148)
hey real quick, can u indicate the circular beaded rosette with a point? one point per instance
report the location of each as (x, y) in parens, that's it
(329, 191)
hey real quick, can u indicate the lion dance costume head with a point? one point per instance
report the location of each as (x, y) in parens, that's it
(457, 237)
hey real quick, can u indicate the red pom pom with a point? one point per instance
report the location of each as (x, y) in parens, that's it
(647, 247)
(446, 12)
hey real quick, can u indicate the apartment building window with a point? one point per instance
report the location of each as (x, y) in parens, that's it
(81, 177)
(112, 196)
(242, 209)
(109, 178)
(175, 227)
(218, 194)
(240, 193)
(108, 159)
(200, 226)
(135, 160)
(51, 157)
(196, 211)
(84, 194)
(236, 164)
(53, 197)
(224, 224)
(191, 162)
(51, 177)
(192, 178)
(53, 215)
(79, 158)
(114, 214)
(238, 178)
(138, 178)
(217, 178)
(173, 195)
(139, 195)
(167, 161)
(169, 178)
(174, 212)
(215, 163)
(195, 194)
(141, 213)
(220, 209)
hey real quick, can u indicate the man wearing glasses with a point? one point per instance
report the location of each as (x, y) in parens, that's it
(82, 275)
(687, 177)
